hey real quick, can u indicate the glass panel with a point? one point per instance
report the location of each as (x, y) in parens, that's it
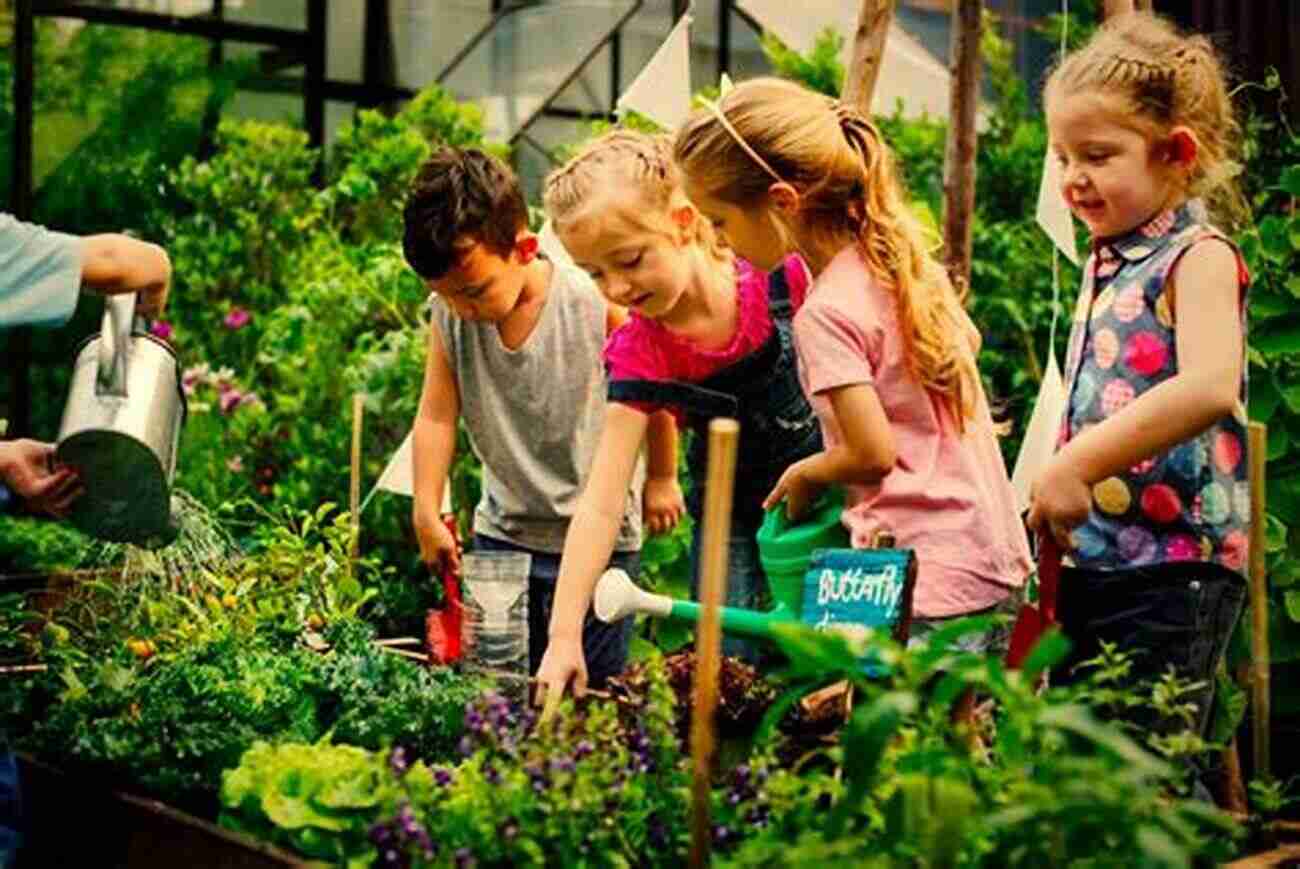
(522, 62)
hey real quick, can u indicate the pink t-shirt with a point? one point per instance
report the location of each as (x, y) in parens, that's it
(643, 349)
(948, 496)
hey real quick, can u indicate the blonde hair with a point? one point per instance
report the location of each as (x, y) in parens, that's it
(1165, 79)
(849, 189)
(628, 160)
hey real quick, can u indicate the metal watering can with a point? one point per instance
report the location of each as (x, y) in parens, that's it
(120, 429)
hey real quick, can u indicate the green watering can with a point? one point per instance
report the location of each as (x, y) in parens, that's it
(785, 550)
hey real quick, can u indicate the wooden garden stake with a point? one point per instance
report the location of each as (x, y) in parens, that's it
(959, 159)
(724, 434)
(1257, 453)
(358, 411)
(874, 17)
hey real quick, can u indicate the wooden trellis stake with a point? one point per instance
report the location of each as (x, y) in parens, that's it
(874, 18)
(1257, 453)
(724, 434)
(959, 159)
(354, 499)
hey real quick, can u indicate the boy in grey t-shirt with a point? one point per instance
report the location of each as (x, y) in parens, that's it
(515, 347)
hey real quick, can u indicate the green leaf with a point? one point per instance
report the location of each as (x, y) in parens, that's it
(1285, 573)
(1290, 180)
(1292, 601)
(1292, 285)
(1278, 336)
(1275, 236)
(1279, 441)
(1274, 535)
(1265, 305)
(1264, 396)
(1229, 708)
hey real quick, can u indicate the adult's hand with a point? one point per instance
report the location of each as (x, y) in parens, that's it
(26, 467)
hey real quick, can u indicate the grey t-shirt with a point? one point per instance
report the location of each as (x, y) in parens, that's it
(40, 274)
(534, 415)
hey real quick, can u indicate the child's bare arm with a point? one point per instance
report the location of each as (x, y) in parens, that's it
(114, 263)
(662, 503)
(433, 447)
(589, 544)
(1205, 389)
(865, 456)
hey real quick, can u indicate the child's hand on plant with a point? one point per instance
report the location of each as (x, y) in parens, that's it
(1059, 501)
(662, 504)
(561, 664)
(798, 487)
(438, 547)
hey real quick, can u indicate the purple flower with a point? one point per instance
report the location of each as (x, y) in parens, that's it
(162, 329)
(510, 830)
(562, 764)
(237, 318)
(441, 776)
(466, 746)
(583, 748)
(398, 763)
(229, 400)
(379, 834)
(491, 775)
(465, 858)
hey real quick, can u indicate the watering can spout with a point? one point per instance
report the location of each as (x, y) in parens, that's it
(617, 597)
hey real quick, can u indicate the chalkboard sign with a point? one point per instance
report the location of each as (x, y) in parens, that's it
(849, 589)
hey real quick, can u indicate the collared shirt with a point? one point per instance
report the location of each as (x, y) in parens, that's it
(1191, 503)
(40, 274)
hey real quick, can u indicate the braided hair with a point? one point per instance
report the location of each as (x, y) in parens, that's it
(626, 159)
(1166, 79)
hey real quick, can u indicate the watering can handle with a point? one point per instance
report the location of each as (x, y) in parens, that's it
(115, 343)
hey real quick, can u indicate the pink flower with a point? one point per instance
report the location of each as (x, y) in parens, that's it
(230, 400)
(162, 329)
(238, 318)
(235, 464)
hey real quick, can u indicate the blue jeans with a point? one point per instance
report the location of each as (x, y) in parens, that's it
(746, 587)
(604, 646)
(10, 809)
(1177, 616)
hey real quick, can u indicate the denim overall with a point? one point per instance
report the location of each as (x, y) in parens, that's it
(777, 428)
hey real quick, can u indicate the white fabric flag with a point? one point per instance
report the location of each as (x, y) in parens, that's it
(1053, 214)
(662, 90)
(1041, 435)
(908, 70)
(551, 245)
(399, 476)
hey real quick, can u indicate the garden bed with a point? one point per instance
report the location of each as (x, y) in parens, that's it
(80, 820)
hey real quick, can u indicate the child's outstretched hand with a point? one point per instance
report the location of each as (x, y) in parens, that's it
(797, 488)
(561, 664)
(662, 504)
(1059, 502)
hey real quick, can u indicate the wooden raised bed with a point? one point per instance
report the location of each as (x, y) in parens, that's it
(73, 820)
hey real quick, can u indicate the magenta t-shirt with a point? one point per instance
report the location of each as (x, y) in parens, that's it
(644, 349)
(948, 497)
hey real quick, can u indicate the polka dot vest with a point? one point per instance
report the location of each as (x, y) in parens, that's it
(1191, 503)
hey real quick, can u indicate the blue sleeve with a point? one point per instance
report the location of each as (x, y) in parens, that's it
(40, 274)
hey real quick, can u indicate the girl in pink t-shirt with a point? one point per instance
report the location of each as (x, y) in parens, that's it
(886, 351)
(700, 342)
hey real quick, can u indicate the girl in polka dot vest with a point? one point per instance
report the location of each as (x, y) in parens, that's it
(1148, 493)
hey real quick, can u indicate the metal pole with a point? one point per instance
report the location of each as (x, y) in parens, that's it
(20, 340)
(724, 37)
(313, 91)
(615, 69)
